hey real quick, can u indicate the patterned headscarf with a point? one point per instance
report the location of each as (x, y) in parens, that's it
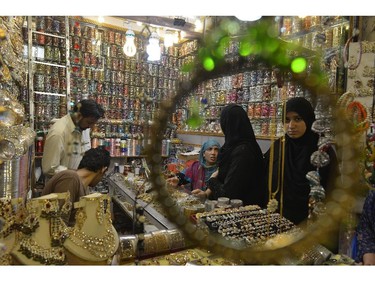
(199, 173)
(205, 146)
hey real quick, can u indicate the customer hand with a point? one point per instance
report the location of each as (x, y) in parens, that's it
(172, 181)
(214, 174)
(202, 195)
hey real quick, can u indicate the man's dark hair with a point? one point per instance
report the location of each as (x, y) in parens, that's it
(89, 108)
(95, 159)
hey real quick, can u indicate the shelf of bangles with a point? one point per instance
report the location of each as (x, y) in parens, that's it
(245, 226)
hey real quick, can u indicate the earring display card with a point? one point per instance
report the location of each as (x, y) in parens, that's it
(361, 79)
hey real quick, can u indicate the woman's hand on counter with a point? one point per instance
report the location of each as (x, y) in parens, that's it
(172, 181)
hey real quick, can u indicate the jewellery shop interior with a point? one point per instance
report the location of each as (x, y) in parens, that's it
(163, 82)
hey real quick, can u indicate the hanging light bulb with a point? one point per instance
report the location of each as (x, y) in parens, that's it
(101, 19)
(153, 48)
(198, 25)
(168, 39)
(248, 17)
(176, 37)
(129, 46)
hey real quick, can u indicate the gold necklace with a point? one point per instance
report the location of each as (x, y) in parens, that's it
(103, 247)
(32, 250)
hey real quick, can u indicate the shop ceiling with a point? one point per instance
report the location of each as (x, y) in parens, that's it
(188, 25)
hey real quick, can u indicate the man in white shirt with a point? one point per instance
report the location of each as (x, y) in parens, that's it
(69, 137)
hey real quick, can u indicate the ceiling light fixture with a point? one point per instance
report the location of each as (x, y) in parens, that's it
(129, 47)
(168, 38)
(101, 19)
(198, 25)
(248, 17)
(153, 48)
(176, 37)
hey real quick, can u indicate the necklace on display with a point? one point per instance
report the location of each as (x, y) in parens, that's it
(103, 247)
(33, 244)
(32, 250)
(93, 215)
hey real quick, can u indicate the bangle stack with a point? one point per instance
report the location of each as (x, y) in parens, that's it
(250, 224)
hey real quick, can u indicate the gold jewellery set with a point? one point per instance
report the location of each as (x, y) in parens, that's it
(103, 246)
(46, 214)
(35, 232)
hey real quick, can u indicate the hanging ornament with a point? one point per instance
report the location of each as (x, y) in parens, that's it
(320, 158)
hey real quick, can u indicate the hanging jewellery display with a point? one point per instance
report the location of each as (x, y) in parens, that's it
(361, 79)
(320, 158)
(93, 237)
(15, 138)
(357, 113)
(44, 244)
(273, 204)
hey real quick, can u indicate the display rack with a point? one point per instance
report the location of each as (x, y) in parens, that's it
(48, 70)
(256, 88)
(129, 88)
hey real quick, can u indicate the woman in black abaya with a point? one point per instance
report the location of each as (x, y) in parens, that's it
(300, 143)
(241, 172)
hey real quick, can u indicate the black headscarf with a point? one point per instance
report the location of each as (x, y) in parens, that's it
(297, 164)
(304, 109)
(241, 167)
(237, 129)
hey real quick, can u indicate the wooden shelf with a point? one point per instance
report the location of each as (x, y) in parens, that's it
(222, 135)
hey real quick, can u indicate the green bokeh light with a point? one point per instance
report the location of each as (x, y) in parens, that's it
(219, 52)
(208, 63)
(245, 49)
(298, 65)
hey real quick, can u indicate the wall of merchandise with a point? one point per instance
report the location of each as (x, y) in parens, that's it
(260, 90)
(131, 88)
